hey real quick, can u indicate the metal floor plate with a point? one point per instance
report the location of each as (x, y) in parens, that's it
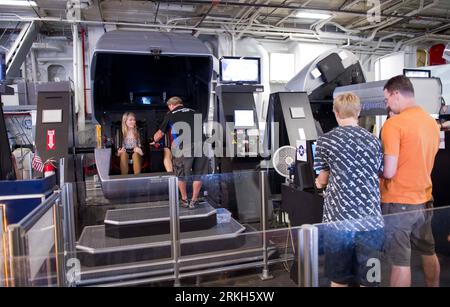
(93, 239)
(145, 215)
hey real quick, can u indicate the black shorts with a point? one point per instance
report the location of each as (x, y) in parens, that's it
(408, 227)
(186, 167)
(351, 255)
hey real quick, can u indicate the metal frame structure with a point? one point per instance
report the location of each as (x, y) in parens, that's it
(19, 264)
(61, 204)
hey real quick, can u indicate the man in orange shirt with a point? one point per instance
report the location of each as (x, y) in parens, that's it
(410, 143)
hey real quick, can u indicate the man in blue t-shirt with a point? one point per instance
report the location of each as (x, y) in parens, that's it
(350, 160)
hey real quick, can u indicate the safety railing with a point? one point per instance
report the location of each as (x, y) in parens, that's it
(63, 261)
(3, 249)
(64, 257)
(192, 256)
(36, 246)
(365, 252)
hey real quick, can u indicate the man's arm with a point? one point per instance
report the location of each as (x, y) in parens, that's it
(322, 179)
(158, 136)
(390, 166)
(391, 138)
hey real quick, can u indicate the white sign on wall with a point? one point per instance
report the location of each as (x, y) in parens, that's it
(282, 67)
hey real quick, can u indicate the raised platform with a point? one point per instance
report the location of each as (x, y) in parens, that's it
(98, 249)
(137, 222)
(250, 252)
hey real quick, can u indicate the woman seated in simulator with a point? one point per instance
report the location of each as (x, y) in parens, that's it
(131, 145)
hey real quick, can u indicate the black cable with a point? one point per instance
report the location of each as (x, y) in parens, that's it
(156, 14)
(34, 9)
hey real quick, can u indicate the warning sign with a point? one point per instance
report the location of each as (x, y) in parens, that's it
(50, 139)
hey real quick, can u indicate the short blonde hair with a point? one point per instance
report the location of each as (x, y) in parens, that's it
(174, 101)
(347, 105)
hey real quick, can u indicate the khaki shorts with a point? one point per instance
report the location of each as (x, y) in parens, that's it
(407, 227)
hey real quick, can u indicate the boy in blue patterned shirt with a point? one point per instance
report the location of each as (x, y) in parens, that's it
(350, 160)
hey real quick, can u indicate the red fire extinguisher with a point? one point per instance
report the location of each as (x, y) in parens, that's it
(49, 168)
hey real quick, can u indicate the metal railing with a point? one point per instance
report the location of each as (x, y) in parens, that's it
(19, 245)
(61, 205)
(3, 255)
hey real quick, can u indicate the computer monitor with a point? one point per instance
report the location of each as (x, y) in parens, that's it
(240, 70)
(244, 118)
(416, 73)
(147, 98)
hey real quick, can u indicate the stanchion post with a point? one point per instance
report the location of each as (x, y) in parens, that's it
(265, 272)
(174, 227)
(308, 255)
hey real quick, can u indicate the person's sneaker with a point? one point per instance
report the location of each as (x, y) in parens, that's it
(193, 204)
(184, 203)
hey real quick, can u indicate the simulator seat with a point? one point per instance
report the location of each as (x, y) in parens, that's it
(152, 160)
(116, 136)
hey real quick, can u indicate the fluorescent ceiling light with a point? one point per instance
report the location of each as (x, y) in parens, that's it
(310, 15)
(17, 3)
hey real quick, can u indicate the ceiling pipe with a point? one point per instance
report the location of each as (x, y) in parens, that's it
(267, 30)
(247, 13)
(196, 33)
(312, 9)
(346, 6)
(390, 36)
(373, 34)
(48, 46)
(412, 13)
(293, 12)
(392, 21)
(273, 11)
(388, 23)
(384, 4)
(427, 34)
(252, 20)
(242, 12)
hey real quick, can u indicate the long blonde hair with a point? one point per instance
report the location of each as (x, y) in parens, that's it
(124, 125)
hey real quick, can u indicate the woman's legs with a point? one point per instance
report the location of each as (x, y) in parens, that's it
(124, 163)
(136, 163)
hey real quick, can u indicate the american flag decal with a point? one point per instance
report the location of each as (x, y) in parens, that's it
(37, 163)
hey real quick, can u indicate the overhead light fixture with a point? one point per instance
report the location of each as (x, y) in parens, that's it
(17, 3)
(310, 15)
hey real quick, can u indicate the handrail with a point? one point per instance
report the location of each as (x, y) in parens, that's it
(28, 221)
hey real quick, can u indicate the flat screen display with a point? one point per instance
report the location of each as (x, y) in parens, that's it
(244, 118)
(148, 99)
(417, 73)
(240, 70)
